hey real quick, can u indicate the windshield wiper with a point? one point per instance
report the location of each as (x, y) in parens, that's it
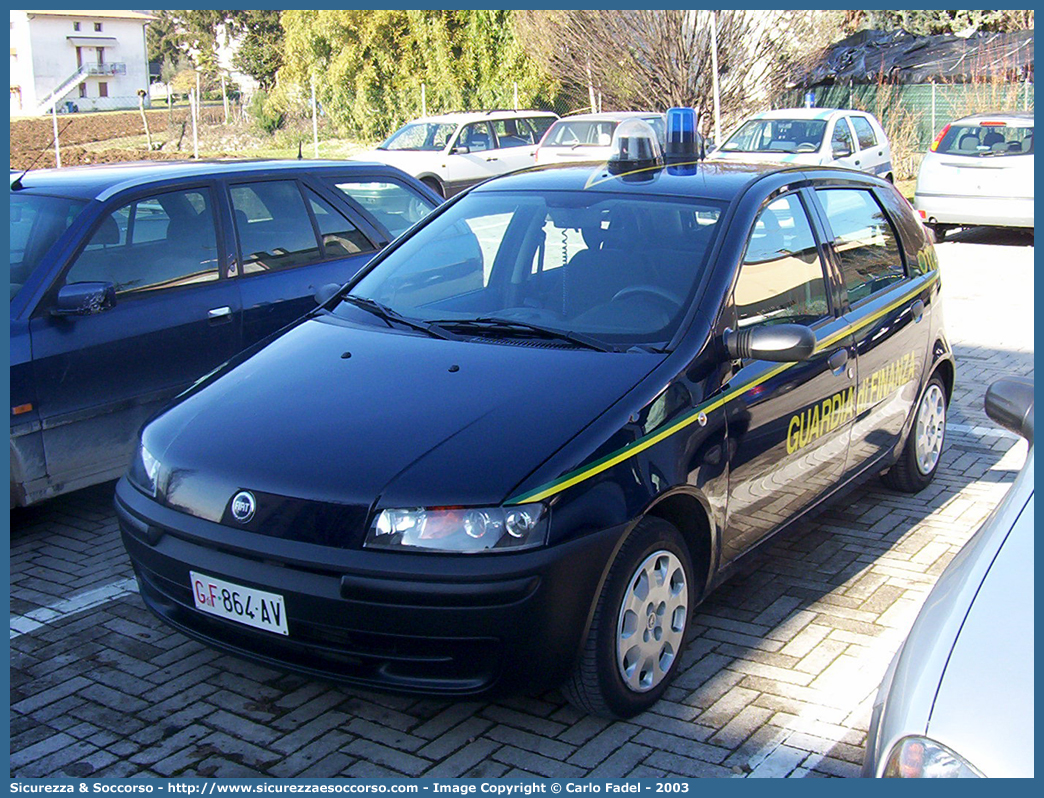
(487, 324)
(387, 315)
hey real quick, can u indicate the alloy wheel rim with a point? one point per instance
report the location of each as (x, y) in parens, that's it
(652, 620)
(931, 425)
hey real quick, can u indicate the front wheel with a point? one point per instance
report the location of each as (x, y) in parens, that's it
(637, 635)
(919, 460)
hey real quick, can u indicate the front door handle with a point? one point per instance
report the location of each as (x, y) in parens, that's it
(219, 315)
(837, 361)
(917, 309)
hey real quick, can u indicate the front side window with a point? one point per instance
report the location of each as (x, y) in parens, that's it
(36, 224)
(392, 205)
(777, 135)
(163, 241)
(864, 131)
(863, 240)
(475, 137)
(618, 269)
(781, 279)
(842, 138)
(273, 226)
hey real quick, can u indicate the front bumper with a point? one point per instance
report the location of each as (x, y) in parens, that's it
(429, 624)
(972, 210)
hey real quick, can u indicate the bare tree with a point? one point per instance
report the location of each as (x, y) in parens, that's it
(655, 59)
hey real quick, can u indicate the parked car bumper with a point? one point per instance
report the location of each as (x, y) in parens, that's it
(431, 624)
(972, 210)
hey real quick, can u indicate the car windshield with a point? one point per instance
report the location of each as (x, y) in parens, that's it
(987, 139)
(36, 224)
(591, 132)
(420, 136)
(617, 269)
(777, 135)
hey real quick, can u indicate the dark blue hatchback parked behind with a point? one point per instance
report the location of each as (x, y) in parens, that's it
(131, 281)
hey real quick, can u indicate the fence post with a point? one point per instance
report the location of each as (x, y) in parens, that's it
(424, 101)
(932, 137)
(315, 122)
(516, 96)
(194, 105)
(57, 151)
(224, 97)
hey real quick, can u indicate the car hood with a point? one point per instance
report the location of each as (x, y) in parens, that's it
(409, 161)
(805, 158)
(984, 708)
(334, 415)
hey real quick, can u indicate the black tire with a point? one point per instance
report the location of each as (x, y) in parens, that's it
(434, 185)
(908, 474)
(940, 231)
(597, 685)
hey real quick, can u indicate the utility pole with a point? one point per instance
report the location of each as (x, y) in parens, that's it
(315, 122)
(54, 118)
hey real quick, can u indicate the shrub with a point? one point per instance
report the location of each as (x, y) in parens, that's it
(268, 119)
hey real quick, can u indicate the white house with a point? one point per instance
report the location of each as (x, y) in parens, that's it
(78, 60)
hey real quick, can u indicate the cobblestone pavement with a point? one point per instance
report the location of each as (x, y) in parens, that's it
(777, 682)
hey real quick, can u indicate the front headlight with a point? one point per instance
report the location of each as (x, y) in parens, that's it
(144, 470)
(921, 758)
(460, 529)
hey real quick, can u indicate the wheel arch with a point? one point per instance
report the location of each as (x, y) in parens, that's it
(690, 514)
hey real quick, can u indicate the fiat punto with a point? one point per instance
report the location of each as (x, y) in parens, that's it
(532, 435)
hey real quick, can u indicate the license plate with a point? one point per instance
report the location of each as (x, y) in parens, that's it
(234, 602)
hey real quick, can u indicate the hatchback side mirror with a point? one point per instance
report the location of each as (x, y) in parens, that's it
(779, 343)
(324, 292)
(1009, 402)
(841, 150)
(460, 149)
(84, 299)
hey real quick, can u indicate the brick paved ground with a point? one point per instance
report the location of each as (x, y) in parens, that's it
(778, 681)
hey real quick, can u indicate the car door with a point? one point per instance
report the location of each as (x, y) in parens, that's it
(884, 307)
(471, 158)
(516, 144)
(789, 432)
(291, 241)
(176, 317)
(871, 154)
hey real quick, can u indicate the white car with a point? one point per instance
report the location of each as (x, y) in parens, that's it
(589, 137)
(979, 170)
(957, 700)
(452, 152)
(809, 136)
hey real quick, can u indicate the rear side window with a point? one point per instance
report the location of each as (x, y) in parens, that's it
(513, 132)
(164, 241)
(864, 131)
(540, 125)
(781, 279)
(340, 237)
(864, 241)
(987, 139)
(274, 229)
(392, 205)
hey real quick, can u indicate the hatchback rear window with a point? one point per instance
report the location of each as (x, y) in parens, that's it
(987, 140)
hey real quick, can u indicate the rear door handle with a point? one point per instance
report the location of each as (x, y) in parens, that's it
(837, 361)
(917, 309)
(219, 315)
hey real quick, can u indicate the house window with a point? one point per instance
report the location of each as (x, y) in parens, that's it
(83, 89)
(76, 26)
(97, 27)
(103, 89)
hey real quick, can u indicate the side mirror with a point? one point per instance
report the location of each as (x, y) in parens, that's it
(324, 292)
(779, 343)
(84, 299)
(841, 150)
(460, 149)
(1009, 402)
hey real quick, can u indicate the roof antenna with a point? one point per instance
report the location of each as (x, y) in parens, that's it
(16, 184)
(299, 150)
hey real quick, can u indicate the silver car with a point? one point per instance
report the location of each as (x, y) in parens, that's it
(589, 137)
(957, 700)
(979, 170)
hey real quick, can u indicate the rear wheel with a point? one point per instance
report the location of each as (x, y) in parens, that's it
(919, 461)
(637, 635)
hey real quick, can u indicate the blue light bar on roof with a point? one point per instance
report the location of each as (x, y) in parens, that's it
(681, 143)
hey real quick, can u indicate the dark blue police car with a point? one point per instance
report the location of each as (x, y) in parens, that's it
(130, 281)
(534, 433)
